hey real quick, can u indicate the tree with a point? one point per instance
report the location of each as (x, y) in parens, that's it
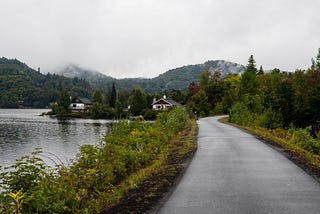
(193, 89)
(249, 84)
(137, 101)
(64, 101)
(199, 102)
(97, 96)
(251, 67)
(123, 96)
(212, 85)
(286, 94)
(178, 96)
(230, 91)
(260, 72)
(118, 109)
(113, 96)
(316, 62)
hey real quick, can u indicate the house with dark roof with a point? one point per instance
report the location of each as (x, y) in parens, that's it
(164, 103)
(80, 104)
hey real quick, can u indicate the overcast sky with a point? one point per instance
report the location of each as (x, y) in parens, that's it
(144, 38)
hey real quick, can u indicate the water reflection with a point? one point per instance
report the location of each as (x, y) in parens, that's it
(21, 131)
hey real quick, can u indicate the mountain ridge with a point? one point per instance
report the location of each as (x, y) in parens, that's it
(176, 78)
(22, 86)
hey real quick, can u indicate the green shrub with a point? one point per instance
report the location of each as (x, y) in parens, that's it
(90, 182)
(304, 139)
(240, 114)
(270, 119)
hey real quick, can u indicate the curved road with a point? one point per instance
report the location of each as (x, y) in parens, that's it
(233, 172)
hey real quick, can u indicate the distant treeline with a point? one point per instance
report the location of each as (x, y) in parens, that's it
(21, 86)
(271, 100)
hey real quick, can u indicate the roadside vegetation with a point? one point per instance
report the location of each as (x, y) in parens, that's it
(280, 107)
(102, 175)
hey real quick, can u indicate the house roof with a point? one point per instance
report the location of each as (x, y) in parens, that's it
(168, 101)
(81, 100)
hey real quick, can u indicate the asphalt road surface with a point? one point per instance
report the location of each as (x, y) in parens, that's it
(233, 172)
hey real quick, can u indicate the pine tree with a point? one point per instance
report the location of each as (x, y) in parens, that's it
(260, 72)
(251, 67)
(97, 96)
(113, 96)
(249, 84)
(316, 62)
(64, 100)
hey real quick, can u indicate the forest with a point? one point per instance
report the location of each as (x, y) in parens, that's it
(22, 86)
(267, 99)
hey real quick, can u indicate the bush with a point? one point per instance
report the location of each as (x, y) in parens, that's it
(270, 119)
(240, 114)
(92, 180)
(304, 139)
(101, 111)
(218, 109)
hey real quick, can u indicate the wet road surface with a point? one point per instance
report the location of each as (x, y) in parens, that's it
(233, 172)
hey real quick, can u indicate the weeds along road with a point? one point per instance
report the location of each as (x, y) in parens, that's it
(233, 172)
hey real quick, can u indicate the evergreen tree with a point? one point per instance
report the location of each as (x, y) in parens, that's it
(137, 101)
(113, 96)
(251, 67)
(260, 72)
(249, 84)
(123, 96)
(97, 96)
(316, 62)
(64, 101)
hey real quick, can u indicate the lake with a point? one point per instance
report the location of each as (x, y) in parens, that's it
(23, 130)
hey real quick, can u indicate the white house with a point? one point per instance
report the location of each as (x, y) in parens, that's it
(80, 104)
(163, 103)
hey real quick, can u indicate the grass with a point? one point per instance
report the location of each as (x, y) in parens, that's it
(145, 189)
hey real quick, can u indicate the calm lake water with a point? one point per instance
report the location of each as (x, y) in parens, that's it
(23, 130)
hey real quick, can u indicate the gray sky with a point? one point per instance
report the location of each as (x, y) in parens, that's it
(144, 38)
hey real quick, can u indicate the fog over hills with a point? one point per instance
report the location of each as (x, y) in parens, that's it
(177, 78)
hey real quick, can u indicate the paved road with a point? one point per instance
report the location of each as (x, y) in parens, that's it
(233, 172)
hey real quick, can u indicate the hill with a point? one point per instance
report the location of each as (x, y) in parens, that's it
(95, 78)
(22, 86)
(178, 78)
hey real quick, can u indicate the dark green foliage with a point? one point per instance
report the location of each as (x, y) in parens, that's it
(21, 86)
(123, 96)
(304, 139)
(101, 111)
(137, 101)
(251, 67)
(211, 83)
(28, 172)
(249, 83)
(277, 99)
(316, 62)
(179, 96)
(199, 103)
(113, 96)
(260, 72)
(64, 101)
(97, 96)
